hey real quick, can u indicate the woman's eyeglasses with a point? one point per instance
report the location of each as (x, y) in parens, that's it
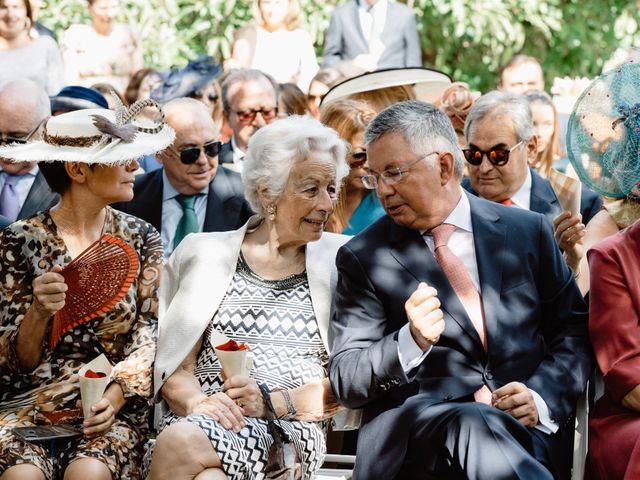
(190, 155)
(358, 159)
(497, 156)
(5, 139)
(248, 116)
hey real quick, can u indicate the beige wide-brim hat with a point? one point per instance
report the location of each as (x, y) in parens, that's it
(427, 83)
(96, 136)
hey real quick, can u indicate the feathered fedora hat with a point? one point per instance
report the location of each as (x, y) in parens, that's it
(96, 135)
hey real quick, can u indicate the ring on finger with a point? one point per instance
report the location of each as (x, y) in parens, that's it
(239, 403)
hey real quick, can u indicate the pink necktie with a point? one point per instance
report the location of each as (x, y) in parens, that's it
(461, 283)
(507, 201)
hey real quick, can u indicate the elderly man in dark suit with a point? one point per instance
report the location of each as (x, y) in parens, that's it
(372, 35)
(499, 132)
(24, 107)
(458, 327)
(190, 193)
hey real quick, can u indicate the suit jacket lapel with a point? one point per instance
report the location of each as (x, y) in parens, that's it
(40, 197)
(410, 250)
(319, 277)
(543, 199)
(219, 191)
(489, 239)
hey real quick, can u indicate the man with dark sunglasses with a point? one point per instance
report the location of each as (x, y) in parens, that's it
(249, 101)
(501, 144)
(189, 193)
(24, 108)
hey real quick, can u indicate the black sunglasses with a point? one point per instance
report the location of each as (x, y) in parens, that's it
(198, 94)
(190, 155)
(497, 156)
(358, 159)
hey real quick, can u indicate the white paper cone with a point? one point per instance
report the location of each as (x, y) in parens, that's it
(235, 363)
(568, 190)
(92, 389)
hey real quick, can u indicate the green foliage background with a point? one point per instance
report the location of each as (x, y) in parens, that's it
(468, 39)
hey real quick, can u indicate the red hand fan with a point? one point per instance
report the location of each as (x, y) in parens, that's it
(97, 279)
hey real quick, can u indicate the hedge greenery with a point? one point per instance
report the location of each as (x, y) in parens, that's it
(469, 39)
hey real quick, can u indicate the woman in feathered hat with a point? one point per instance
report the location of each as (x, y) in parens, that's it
(56, 317)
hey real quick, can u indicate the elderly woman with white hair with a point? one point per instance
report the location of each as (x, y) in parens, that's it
(269, 286)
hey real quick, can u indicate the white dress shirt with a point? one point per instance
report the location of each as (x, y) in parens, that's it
(522, 198)
(462, 245)
(238, 155)
(370, 16)
(172, 213)
(24, 184)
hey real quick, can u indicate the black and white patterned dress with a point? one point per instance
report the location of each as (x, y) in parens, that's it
(276, 319)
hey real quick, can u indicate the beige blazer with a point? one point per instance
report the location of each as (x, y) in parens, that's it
(196, 278)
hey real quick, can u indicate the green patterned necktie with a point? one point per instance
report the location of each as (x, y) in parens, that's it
(189, 221)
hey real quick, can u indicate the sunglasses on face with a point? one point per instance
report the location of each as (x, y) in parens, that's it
(6, 140)
(248, 116)
(198, 94)
(497, 156)
(358, 159)
(190, 155)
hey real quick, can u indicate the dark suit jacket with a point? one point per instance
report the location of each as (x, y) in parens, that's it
(227, 208)
(536, 323)
(40, 198)
(344, 39)
(4, 222)
(544, 200)
(226, 153)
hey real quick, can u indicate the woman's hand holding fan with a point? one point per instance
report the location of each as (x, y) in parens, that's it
(49, 293)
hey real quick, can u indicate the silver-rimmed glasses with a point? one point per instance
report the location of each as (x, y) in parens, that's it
(391, 176)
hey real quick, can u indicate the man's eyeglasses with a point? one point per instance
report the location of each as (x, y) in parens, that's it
(497, 156)
(199, 94)
(391, 176)
(248, 116)
(358, 159)
(190, 155)
(5, 139)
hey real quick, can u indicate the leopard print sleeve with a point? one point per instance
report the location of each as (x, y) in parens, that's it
(135, 372)
(17, 293)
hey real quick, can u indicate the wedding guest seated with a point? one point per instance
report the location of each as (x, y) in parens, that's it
(250, 101)
(190, 193)
(616, 181)
(501, 146)
(545, 128)
(456, 321)
(24, 107)
(39, 370)
(268, 285)
(142, 83)
(357, 207)
(291, 100)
